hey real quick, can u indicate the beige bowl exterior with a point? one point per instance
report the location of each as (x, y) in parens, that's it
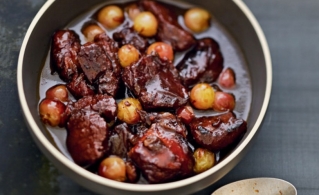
(237, 19)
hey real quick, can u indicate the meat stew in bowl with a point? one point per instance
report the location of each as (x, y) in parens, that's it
(157, 114)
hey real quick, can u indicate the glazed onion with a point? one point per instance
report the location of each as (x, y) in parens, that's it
(128, 54)
(113, 168)
(111, 16)
(204, 160)
(197, 19)
(202, 96)
(145, 23)
(128, 110)
(91, 31)
(164, 50)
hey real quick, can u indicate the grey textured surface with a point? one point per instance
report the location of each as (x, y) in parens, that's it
(286, 147)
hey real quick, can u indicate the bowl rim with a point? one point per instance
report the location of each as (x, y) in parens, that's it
(49, 147)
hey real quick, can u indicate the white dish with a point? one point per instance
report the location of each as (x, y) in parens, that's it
(260, 186)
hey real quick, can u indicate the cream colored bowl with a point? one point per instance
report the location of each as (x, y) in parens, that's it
(233, 15)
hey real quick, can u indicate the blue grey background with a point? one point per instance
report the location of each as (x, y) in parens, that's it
(286, 147)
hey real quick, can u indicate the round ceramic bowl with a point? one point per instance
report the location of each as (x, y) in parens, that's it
(239, 23)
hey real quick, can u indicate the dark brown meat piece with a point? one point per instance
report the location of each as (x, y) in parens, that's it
(132, 173)
(119, 142)
(104, 105)
(99, 63)
(111, 50)
(203, 63)
(93, 61)
(87, 129)
(109, 81)
(163, 154)
(79, 87)
(169, 122)
(129, 36)
(87, 137)
(155, 82)
(217, 132)
(64, 49)
(169, 30)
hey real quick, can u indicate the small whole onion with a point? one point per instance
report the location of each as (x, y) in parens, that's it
(145, 23)
(58, 92)
(164, 50)
(128, 54)
(132, 11)
(202, 96)
(224, 101)
(197, 19)
(90, 31)
(111, 16)
(227, 78)
(51, 112)
(114, 168)
(204, 160)
(128, 110)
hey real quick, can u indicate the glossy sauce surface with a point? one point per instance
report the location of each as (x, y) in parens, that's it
(231, 52)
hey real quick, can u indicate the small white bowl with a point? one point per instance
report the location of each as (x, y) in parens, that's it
(258, 186)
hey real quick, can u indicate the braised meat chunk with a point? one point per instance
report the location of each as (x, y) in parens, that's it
(99, 62)
(111, 50)
(162, 154)
(203, 63)
(155, 82)
(168, 122)
(104, 105)
(109, 81)
(87, 137)
(169, 30)
(93, 61)
(120, 140)
(128, 35)
(64, 53)
(79, 87)
(87, 129)
(217, 132)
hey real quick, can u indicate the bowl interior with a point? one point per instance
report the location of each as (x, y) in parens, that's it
(54, 15)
